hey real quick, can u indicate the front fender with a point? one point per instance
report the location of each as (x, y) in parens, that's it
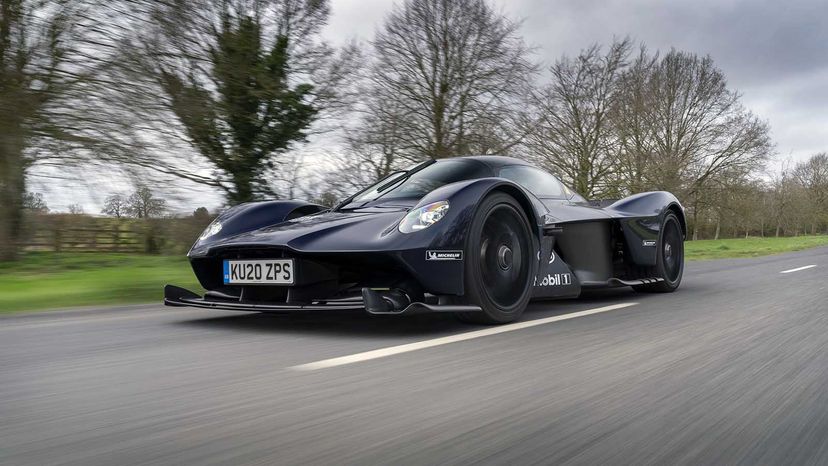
(468, 194)
(451, 234)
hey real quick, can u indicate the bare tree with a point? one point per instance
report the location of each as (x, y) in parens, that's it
(632, 129)
(727, 204)
(696, 129)
(372, 149)
(786, 197)
(573, 135)
(143, 204)
(704, 130)
(449, 74)
(747, 207)
(812, 175)
(33, 202)
(43, 64)
(115, 206)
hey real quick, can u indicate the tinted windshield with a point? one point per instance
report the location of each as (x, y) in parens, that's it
(418, 182)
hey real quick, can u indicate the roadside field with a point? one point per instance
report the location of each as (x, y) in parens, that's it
(45, 280)
(749, 247)
(62, 280)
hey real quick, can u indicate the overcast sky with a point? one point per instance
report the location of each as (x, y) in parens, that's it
(774, 52)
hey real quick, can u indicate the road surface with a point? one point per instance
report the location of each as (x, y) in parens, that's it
(732, 368)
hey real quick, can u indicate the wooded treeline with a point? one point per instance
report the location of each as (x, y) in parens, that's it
(226, 93)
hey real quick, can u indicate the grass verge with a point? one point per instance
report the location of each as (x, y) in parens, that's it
(62, 280)
(749, 247)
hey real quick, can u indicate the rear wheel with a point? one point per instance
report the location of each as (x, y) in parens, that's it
(498, 267)
(669, 258)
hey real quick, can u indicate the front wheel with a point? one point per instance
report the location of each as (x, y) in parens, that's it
(498, 268)
(669, 258)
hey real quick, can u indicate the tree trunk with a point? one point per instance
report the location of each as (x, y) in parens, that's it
(718, 228)
(695, 221)
(11, 221)
(12, 190)
(243, 191)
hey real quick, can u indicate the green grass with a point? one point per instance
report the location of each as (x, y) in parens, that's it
(61, 280)
(749, 247)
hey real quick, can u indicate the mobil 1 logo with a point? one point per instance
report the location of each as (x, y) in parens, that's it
(554, 279)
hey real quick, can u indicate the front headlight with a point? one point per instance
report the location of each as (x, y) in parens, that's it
(423, 217)
(211, 230)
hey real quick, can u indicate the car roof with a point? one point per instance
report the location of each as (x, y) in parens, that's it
(493, 161)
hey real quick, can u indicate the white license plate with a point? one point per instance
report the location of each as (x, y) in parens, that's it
(259, 272)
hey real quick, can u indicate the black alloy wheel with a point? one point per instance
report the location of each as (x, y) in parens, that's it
(499, 265)
(670, 257)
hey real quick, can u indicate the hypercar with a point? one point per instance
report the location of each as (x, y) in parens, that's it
(476, 236)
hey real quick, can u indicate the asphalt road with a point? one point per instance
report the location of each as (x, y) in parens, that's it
(732, 368)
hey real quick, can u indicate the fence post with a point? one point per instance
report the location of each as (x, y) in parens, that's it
(58, 234)
(116, 236)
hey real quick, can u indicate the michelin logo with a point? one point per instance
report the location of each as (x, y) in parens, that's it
(555, 279)
(444, 255)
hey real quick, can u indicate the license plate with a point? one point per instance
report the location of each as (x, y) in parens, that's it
(259, 272)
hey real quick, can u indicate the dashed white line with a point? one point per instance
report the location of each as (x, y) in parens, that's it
(798, 269)
(393, 350)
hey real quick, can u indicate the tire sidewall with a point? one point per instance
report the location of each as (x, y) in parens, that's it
(474, 286)
(661, 267)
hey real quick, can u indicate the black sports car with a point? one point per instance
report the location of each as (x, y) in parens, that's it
(475, 236)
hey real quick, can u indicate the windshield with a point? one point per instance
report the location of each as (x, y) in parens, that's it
(421, 180)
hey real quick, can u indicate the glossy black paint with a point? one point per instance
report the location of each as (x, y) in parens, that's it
(252, 216)
(640, 217)
(578, 244)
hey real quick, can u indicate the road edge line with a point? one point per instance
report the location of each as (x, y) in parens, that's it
(425, 344)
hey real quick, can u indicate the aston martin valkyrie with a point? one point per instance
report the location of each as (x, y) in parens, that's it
(475, 236)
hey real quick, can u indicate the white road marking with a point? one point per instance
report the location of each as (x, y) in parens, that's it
(798, 269)
(393, 350)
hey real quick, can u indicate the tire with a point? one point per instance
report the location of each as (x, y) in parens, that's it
(669, 258)
(498, 268)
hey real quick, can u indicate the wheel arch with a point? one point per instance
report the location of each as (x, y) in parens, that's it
(535, 226)
(525, 204)
(467, 195)
(679, 212)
